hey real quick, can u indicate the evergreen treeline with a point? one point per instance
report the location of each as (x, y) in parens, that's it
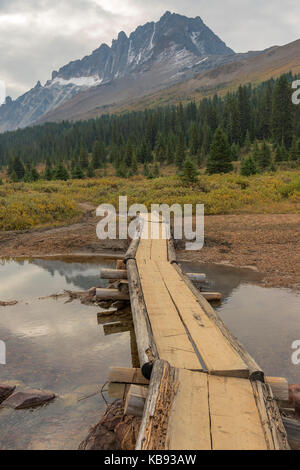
(261, 119)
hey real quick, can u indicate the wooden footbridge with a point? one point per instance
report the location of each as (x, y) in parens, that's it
(205, 392)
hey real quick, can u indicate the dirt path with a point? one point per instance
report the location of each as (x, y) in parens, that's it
(268, 243)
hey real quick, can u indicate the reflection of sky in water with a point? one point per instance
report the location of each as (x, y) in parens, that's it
(57, 346)
(19, 280)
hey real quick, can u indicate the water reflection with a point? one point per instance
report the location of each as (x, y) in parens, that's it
(41, 277)
(57, 346)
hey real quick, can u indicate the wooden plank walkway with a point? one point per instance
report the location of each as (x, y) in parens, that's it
(206, 396)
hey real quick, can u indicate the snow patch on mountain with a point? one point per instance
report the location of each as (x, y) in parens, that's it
(78, 81)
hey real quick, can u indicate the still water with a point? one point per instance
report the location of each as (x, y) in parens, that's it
(56, 346)
(62, 347)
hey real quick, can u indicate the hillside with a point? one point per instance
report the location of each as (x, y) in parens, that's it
(254, 67)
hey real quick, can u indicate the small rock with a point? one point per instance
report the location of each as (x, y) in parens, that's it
(8, 304)
(28, 399)
(6, 391)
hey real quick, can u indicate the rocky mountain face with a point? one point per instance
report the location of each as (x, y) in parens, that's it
(152, 57)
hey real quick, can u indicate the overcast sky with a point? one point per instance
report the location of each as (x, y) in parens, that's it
(38, 36)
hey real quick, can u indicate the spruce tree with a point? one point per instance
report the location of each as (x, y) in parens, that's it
(234, 152)
(219, 160)
(146, 170)
(180, 152)
(13, 176)
(48, 175)
(134, 165)
(128, 155)
(90, 171)
(18, 168)
(61, 172)
(189, 173)
(247, 144)
(31, 174)
(84, 158)
(264, 156)
(77, 173)
(155, 170)
(121, 170)
(282, 112)
(248, 166)
(97, 157)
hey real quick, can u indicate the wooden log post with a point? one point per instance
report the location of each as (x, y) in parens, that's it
(111, 294)
(171, 252)
(147, 350)
(114, 274)
(131, 252)
(275, 433)
(212, 296)
(161, 390)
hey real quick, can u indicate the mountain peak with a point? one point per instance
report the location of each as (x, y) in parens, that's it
(156, 54)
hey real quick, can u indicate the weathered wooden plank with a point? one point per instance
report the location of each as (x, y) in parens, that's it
(189, 417)
(115, 328)
(144, 251)
(216, 352)
(255, 371)
(235, 421)
(135, 400)
(147, 349)
(127, 375)
(280, 388)
(159, 250)
(170, 336)
(118, 391)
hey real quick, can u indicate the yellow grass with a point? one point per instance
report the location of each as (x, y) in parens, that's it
(29, 205)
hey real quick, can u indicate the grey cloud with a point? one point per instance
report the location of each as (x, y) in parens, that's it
(38, 36)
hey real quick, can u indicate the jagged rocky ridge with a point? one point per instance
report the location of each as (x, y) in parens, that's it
(153, 56)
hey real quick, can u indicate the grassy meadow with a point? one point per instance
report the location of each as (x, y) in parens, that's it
(50, 203)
